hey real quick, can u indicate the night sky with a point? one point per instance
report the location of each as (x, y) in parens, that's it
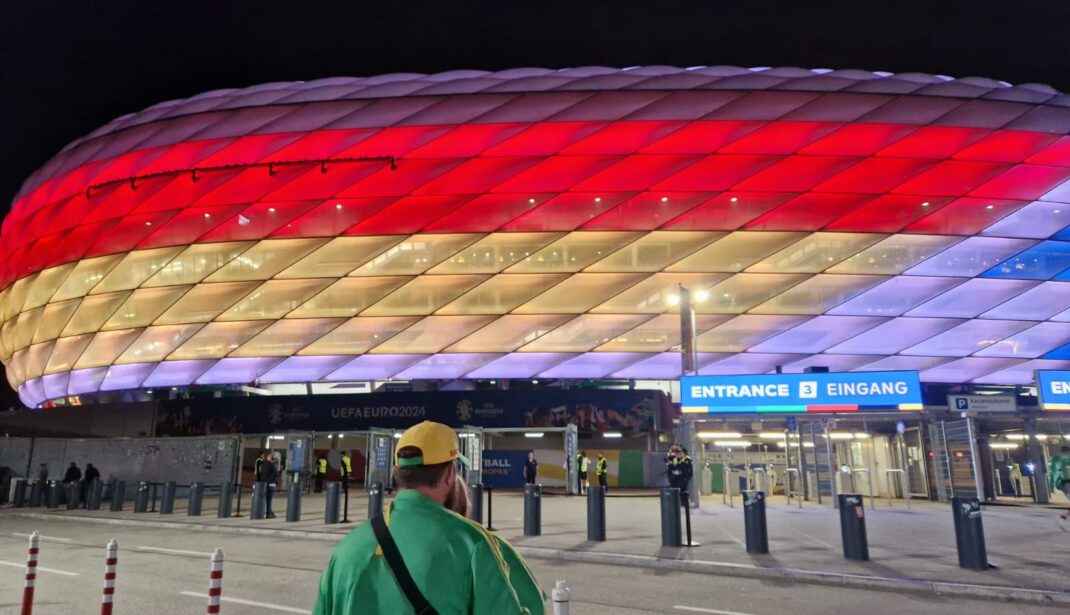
(69, 67)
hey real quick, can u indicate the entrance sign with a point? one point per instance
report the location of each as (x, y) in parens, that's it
(1053, 386)
(982, 403)
(820, 392)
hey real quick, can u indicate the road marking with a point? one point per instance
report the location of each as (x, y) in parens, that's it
(262, 605)
(730, 535)
(42, 537)
(175, 551)
(695, 609)
(814, 538)
(52, 570)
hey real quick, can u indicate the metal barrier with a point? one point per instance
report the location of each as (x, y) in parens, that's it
(118, 494)
(754, 523)
(330, 516)
(869, 483)
(596, 515)
(727, 494)
(55, 494)
(669, 498)
(141, 498)
(475, 502)
(167, 499)
(293, 503)
(904, 486)
(533, 510)
(789, 473)
(258, 507)
(18, 494)
(93, 497)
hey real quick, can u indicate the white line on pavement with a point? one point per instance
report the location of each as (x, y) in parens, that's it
(730, 535)
(175, 551)
(695, 609)
(52, 570)
(42, 537)
(263, 605)
(815, 539)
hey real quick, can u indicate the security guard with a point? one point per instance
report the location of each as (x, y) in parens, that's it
(347, 469)
(455, 565)
(601, 469)
(583, 464)
(256, 466)
(680, 473)
(321, 473)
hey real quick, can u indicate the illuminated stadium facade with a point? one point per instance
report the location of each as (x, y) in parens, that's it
(533, 223)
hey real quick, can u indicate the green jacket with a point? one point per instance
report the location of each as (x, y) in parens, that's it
(1058, 471)
(461, 568)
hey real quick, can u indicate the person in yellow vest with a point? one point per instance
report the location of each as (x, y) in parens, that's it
(321, 473)
(601, 469)
(347, 469)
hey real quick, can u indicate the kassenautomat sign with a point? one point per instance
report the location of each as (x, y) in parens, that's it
(798, 393)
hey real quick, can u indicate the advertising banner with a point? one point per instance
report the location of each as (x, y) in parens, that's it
(1053, 387)
(819, 392)
(504, 468)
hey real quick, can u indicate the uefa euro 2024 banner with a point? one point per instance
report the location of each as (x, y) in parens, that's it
(819, 392)
(504, 468)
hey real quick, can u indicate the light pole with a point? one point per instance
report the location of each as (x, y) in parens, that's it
(689, 365)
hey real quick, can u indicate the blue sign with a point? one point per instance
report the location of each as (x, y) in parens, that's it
(504, 468)
(1054, 389)
(820, 392)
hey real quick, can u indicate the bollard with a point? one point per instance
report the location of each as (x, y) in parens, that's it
(853, 527)
(685, 501)
(110, 562)
(118, 494)
(225, 499)
(490, 509)
(196, 499)
(345, 499)
(670, 517)
(375, 500)
(293, 503)
(141, 498)
(167, 498)
(215, 582)
(31, 574)
(18, 496)
(475, 502)
(754, 522)
(331, 515)
(74, 495)
(596, 515)
(969, 533)
(37, 493)
(55, 493)
(258, 507)
(92, 500)
(560, 596)
(533, 510)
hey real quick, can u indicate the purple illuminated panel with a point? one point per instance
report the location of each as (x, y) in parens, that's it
(972, 298)
(446, 366)
(1038, 220)
(664, 366)
(521, 365)
(817, 334)
(56, 385)
(971, 257)
(229, 371)
(895, 335)
(1040, 303)
(32, 392)
(594, 365)
(968, 338)
(122, 377)
(1023, 373)
(835, 362)
(896, 296)
(374, 367)
(965, 370)
(86, 380)
(177, 373)
(747, 363)
(1031, 343)
(900, 363)
(304, 369)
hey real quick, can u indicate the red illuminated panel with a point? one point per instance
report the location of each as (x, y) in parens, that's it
(647, 211)
(951, 178)
(252, 148)
(1024, 182)
(117, 199)
(40, 255)
(965, 217)
(257, 221)
(621, 138)
(1056, 154)
(325, 181)
(566, 212)
(809, 212)
(320, 144)
(408, 215)
(250, 185)
(635, 173)
(857, 140)
(556, 174)
(1006, 146)
(486, 213)
(933, 142)
(544, 139)
(396, 141)
(701, 137)
(726, 212)
(409, 175)
(716, 173)
(185, 155)
(888, 214)
(467, 141)
(180, 190)
(127, 165)
(476, 175)
(779, 138)
(188, 226)
(76, 243)
(874, 175)
(128, 232)
(795, 174)
(328, 219)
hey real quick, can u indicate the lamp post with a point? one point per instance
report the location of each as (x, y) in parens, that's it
(689, 365)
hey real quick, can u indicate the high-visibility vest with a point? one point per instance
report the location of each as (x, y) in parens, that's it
(584, 462)
(346, 468)
(322, 466)
(603, 466)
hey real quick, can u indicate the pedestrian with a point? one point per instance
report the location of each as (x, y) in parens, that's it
(1059, 479)
(680, 473)
(531, 468)
(601, 469)
(347, 469)
(581, 472)
(321, 473)
(269, 474)
(42, 473)
(256, 466)
(420, 556)
(73, 474)
(91, 474)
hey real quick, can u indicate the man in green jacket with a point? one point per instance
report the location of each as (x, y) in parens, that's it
(1059, 479)
(459, 567)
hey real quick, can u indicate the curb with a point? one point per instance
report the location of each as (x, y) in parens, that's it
(729, 569)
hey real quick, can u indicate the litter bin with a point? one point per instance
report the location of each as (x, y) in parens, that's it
(969, 533)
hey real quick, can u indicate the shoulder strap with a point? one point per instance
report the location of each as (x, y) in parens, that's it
(397, 565)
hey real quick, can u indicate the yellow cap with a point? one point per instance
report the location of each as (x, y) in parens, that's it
(437, 443)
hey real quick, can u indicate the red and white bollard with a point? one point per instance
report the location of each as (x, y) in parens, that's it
(110, 563)
(31, 574)
(215, 584)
